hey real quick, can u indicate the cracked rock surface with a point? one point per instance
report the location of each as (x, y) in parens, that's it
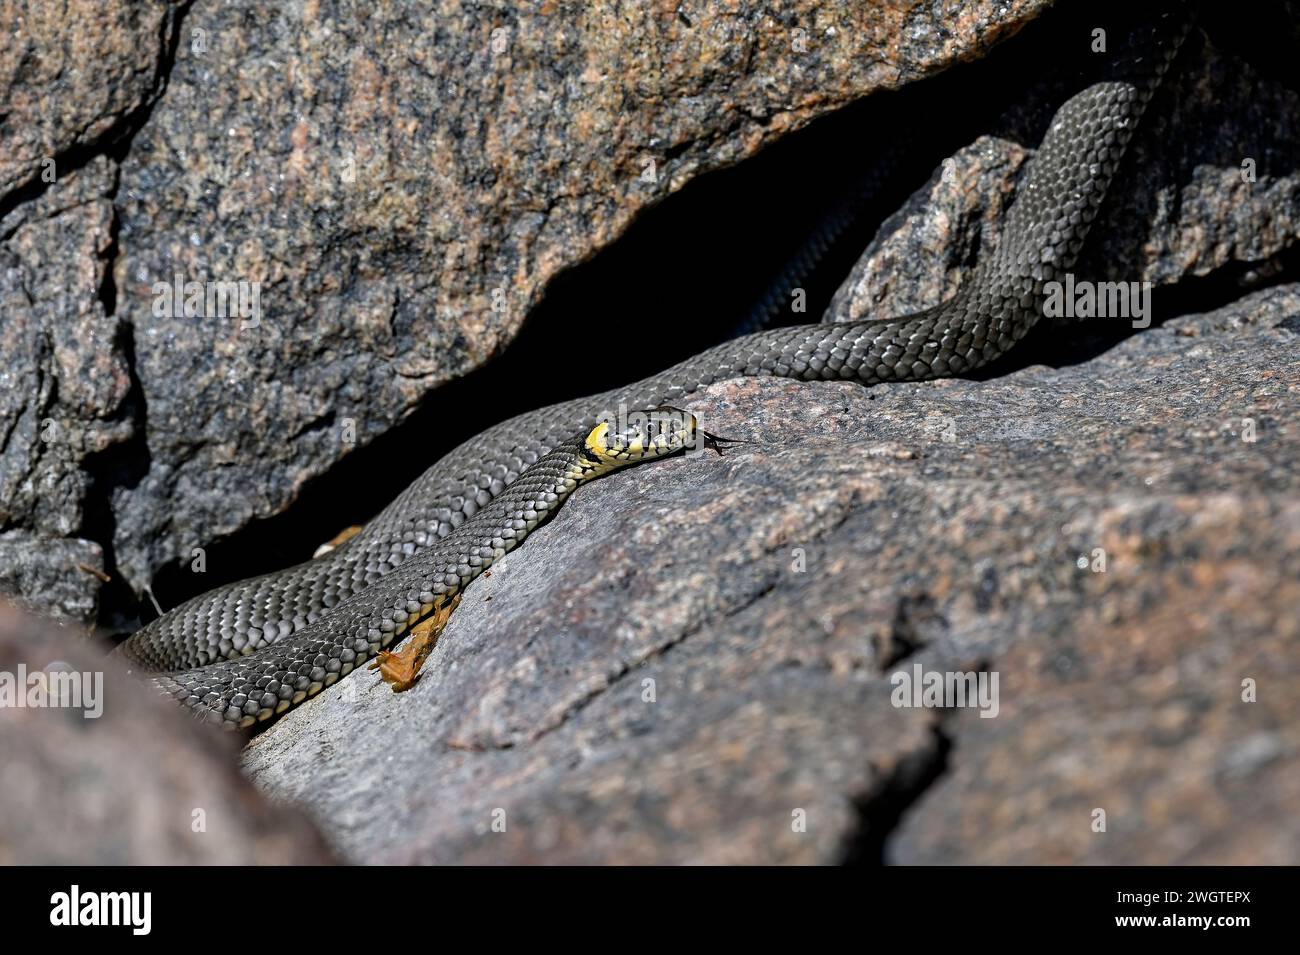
(693, 661)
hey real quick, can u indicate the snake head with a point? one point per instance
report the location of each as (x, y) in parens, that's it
(641, 435)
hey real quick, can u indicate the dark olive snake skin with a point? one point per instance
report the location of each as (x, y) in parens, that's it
(246, 689)
(248, 651)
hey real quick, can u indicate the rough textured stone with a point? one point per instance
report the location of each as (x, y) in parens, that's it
(57, 576)
(1180, 206)
(123, 788)
(64, 382)
(771, 593)
(64, 371)
(403, 182)
(71, 73)
(1134, 705)
(75, 77)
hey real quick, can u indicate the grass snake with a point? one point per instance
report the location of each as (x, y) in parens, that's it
(248, 651)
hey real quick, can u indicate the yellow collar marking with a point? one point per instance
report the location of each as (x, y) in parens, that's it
(595, 440)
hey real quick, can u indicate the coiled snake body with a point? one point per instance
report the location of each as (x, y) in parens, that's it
(249, 651)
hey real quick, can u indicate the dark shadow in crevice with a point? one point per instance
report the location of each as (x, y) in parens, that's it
(1267, 35)
(1069, 345)
(122, 465)
(125, 464)
(917, 622)
(880, 815)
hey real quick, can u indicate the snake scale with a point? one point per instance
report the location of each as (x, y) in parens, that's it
(248, 651)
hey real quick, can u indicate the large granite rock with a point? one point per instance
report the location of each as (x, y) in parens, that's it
(119, 779)
(693, 661)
